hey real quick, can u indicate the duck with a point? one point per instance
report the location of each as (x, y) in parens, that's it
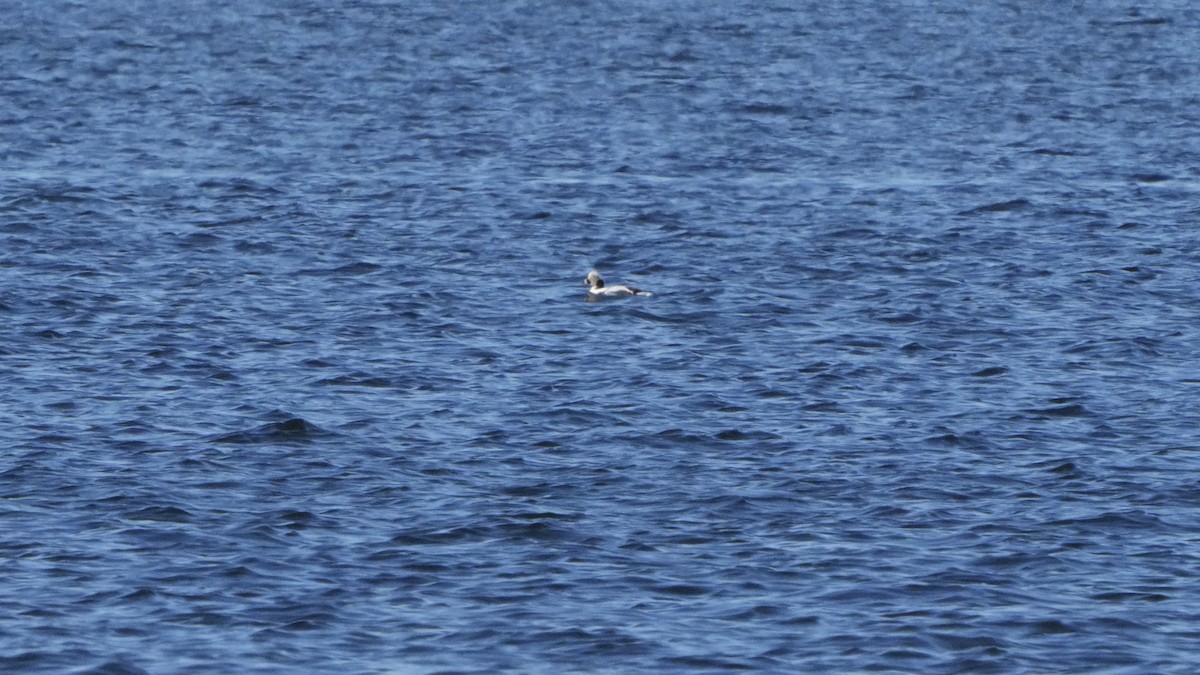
(597, 290)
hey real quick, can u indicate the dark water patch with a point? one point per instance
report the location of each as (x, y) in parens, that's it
(1137, 21)
(290, 430)
(348, 270)
(1123, 597)
(1110, 522)
(200, 240)
(768, 109)
(961, 642)
(1150, 178)
(1066, 469)
(537, 531)
(1051, 627)
(763, 441)
(998, 207)
(116, 667)
(166, 514)
(230, 222)
(1063, 410)
(451, 536)
(355, 380)
(973, 441)
(1051, 152)
(901, 318)
(536, 490)
(706, 663)
(684, 590)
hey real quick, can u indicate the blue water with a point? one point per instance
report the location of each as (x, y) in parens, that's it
(297, 375)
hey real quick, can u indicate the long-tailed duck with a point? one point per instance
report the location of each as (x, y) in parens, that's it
(597, 290)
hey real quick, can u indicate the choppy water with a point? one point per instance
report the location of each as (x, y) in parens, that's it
(296, 373)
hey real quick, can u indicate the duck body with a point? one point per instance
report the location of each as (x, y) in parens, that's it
(598, 291)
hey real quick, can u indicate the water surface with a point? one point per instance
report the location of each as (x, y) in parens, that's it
(298, 375)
